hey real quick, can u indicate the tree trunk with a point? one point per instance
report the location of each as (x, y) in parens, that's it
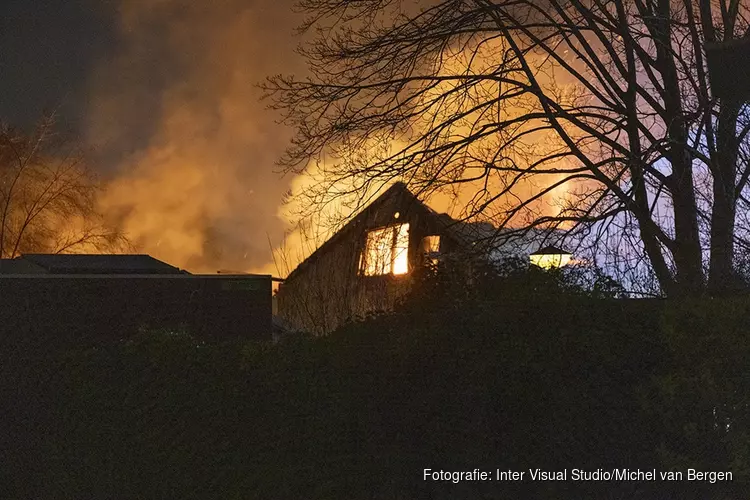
(721, 277)
(686, 249)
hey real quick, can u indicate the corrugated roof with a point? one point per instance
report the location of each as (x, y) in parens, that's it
(100, 264)
(467, 233)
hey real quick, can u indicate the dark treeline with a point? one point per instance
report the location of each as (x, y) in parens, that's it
(498, 377)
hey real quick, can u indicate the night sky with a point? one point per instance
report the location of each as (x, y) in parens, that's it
(47, 51)
(161, 94)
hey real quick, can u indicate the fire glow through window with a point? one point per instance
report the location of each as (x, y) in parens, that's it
(386, 251)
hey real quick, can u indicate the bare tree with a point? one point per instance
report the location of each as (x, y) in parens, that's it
(516, 100)
(48, 197)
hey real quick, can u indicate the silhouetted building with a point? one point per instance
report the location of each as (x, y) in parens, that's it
(366, 267)
(98, 264)
(111, 296)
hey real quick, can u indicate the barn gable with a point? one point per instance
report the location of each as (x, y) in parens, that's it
(365, 267)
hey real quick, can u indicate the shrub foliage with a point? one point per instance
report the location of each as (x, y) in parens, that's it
(503, 378)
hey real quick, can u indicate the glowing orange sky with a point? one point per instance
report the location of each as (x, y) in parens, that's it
(200, 189)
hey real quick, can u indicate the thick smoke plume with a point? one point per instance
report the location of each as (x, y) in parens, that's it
(176, 117)
(176, 114)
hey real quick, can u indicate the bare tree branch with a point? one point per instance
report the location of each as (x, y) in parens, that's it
(609, 101)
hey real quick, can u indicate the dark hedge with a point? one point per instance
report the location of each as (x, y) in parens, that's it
(489, 379)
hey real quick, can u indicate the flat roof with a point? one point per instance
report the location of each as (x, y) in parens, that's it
(100, 263)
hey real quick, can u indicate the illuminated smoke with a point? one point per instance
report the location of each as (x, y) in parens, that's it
(177, 113)
(191, 149)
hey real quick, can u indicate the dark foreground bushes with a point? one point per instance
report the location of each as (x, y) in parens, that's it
(548, 381)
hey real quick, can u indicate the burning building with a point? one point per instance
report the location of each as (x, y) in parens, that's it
(366, 266)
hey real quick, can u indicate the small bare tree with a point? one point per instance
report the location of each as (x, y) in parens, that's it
(48, 197)
(516, 100)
